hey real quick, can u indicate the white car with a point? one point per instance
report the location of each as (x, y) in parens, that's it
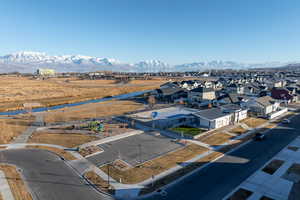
(162, 192)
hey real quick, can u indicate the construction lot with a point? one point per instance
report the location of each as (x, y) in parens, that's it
(75, 135)
(135, 149)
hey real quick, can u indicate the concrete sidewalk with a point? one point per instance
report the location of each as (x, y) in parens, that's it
(278, 185)
(39, 121)
(5, 190)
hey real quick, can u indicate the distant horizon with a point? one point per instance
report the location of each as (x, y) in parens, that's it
(123, 62)
(172, 31)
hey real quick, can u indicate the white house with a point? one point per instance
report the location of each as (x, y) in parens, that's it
(238, 113)
(263, 106)
(213, 118)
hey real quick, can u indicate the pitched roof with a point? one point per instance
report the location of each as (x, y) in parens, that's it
(231, 107)
(169, 90)
(211, 114)
(202, 89)
(265, 100)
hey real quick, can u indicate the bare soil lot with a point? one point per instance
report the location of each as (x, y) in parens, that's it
(63, 139)
(216, 139)
(254, 122)
(155, 166)
(238, 130)
(15, 91)
(89, 150)
(11, 128)
(16, 183)
(94, 110)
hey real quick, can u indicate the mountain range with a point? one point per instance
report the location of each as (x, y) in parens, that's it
(28, 62)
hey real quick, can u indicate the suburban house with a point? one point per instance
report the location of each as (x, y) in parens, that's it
(235, 88)
(238, 113)
(212, 118)
(201, 94)
(263, 106)
(169, 94)
(231, 98)
(284, 95)
(167, 117)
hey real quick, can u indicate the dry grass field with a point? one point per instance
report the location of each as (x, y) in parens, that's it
(14, 91)
(238, 130)
(216, 139)
(98, 181)
(254, 122)
(179, 173)
(60, 152)
(11, 128)
(94, 110)
(63, 139)
(16, 184)
(155, 166)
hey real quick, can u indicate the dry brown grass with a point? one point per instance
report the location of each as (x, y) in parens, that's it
(155, 166)
(63, 139)
(98, 181)
(55, 91)
(89, 150)
(238, 130)
(254, 122)
(16, 184)
(66, 155)
(181, 172)
(216, 139)
(93, 110)
(11, 128)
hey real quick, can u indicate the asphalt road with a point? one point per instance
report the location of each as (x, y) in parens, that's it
(220, 178)
(48, 177)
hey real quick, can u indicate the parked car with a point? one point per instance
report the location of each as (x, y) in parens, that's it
(286, 121)
(162, 192)
(259, 137)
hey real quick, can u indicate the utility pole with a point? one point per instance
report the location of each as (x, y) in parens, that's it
(108, 175)
(140, 152)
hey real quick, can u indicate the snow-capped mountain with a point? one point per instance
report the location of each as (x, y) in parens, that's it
(152, 66)
(31, 61)
(225, 65)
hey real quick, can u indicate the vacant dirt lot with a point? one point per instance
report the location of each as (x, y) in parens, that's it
(16, 183)
(216, 139)
(155, 166)
(14, 91)
(254, 122)
(11, 128)
(63, 139)
(238, 130)
(93, 110)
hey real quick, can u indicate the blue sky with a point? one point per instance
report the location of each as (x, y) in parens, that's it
(176, 31)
